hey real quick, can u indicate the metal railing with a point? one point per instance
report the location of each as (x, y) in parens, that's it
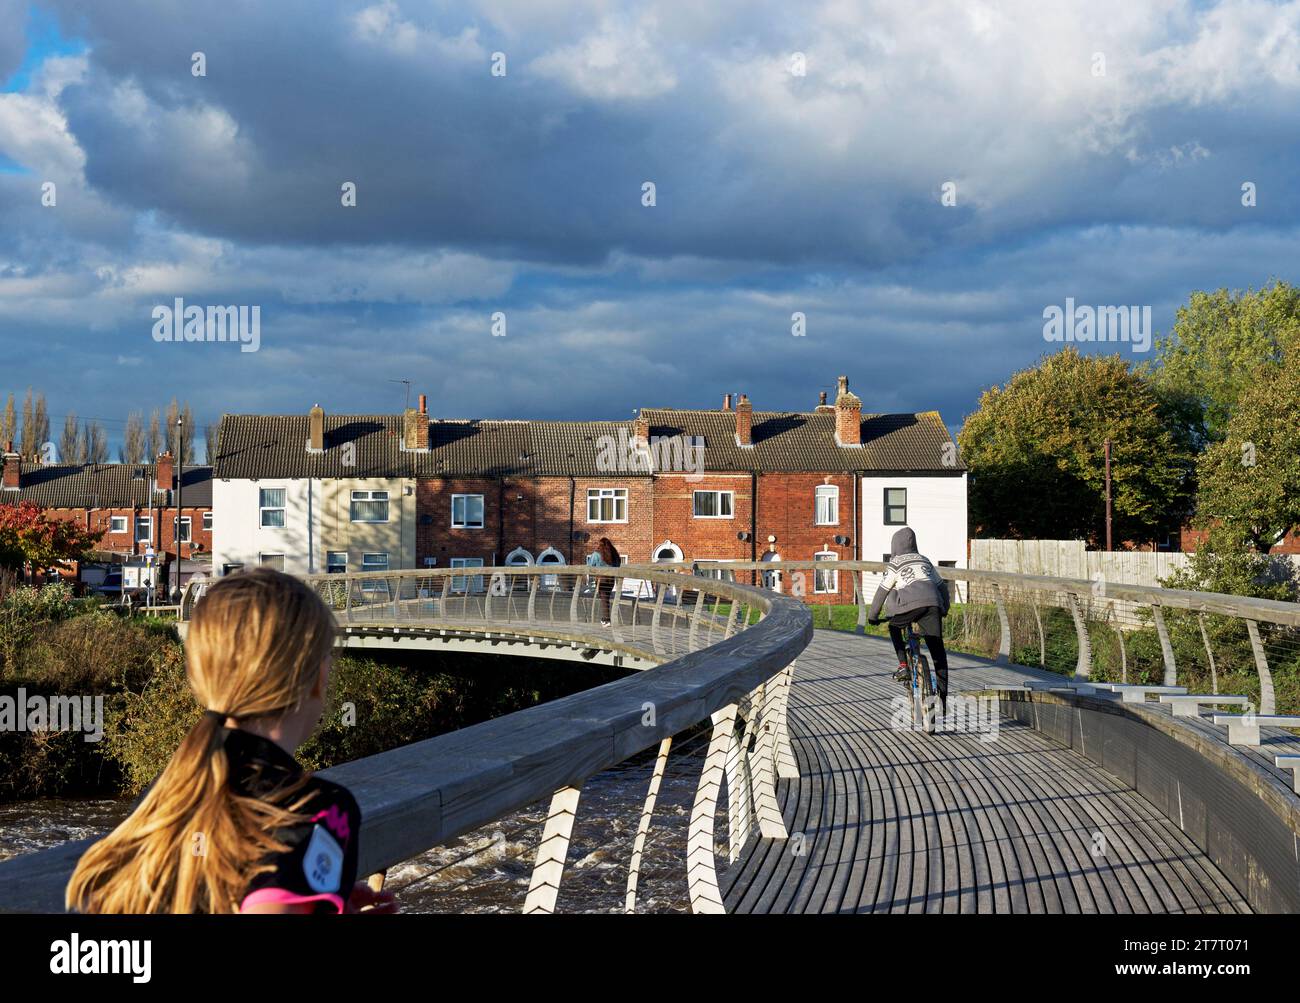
(725, 655)
(1108, 630)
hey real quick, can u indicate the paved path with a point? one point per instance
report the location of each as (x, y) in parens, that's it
(897, 821)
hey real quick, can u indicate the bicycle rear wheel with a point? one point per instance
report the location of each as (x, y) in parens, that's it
(927, 695)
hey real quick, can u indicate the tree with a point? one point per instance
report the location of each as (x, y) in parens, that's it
(153, 442)
(186, 446)
(8, 423)
(1218, 340)
(96, 443)
(42, 422)
(209, 442)
(27, 444)
(29, 537)
(69, 446)
(1035, 452)
(132, 450)
(1250, 481)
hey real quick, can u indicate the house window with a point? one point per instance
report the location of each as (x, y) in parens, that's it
(827, 505)
(143, 528)
(828, 580)
(117, 524)
(270, 503)
(273, 561)
(374, 562)
(207, 522)
(336, 562)
(183, 533)
(374, 587)
(459, 583)
(467, 511)
(230, 569)
(369, 506)
(714, 504)
(895, 506)
(607, 504)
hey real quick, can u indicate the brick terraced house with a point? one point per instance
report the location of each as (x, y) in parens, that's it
(133, 504)
(316, 492)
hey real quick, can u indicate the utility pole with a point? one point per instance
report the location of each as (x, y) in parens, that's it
(1109, 542)
(180, 477)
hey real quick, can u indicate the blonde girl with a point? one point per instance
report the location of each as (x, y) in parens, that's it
(234, 824)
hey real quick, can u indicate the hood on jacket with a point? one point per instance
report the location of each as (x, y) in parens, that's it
(904, 542)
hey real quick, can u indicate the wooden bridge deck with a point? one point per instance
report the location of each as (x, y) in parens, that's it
(896, 821)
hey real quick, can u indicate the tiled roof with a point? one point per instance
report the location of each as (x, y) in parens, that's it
(103, 485)
(252, 445)
(370, 445)
(798, 440)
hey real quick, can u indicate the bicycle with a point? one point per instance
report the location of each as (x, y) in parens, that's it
(924, 685)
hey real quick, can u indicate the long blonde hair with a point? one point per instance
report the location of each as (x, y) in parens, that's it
(254, 649)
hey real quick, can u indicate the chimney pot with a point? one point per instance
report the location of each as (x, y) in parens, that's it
(12, 463)
(415, 430)
(316, 429)
(744, 422)
(424, 404)
(165, 472)
(726, 402)
(848, 415)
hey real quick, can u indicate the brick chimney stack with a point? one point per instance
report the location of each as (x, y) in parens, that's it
(822, 406)
(166, 472)
(316, 429)
(12, 468)
(415, 427)
(744, 423)
(848, 415)
(641, 431)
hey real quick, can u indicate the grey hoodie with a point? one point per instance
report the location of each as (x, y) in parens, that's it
(910, 583)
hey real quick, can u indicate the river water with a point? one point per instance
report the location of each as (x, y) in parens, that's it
(488, 870)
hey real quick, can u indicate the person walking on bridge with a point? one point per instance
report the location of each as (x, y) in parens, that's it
(605, 556)
(913, 593)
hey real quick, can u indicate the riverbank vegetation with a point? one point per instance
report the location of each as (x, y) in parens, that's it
(52, 644)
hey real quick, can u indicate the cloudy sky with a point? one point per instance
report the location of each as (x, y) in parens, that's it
(799, 154)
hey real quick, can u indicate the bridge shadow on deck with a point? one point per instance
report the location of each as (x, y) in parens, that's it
(883, 820)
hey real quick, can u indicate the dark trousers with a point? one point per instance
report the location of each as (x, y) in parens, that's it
(604, 590)
(933, 642)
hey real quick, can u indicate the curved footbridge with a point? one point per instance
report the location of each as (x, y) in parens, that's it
(1048, 794)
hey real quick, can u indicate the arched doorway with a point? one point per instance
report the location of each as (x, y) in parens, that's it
(549, 556)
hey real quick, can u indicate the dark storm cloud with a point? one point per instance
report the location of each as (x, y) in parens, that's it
(776, 193)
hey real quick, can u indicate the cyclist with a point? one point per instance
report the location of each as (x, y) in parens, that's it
(913, 592)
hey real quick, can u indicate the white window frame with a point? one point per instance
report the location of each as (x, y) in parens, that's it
(831, 517)
(731, 503)
(148, 533)
(826, 557)
(328, 563)
(207, 521)
(113, 521)
(370, 586)
(601, 495)
(262, 509)
(261, 559)
(370, 497)
(189, 528)
(464, 522)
